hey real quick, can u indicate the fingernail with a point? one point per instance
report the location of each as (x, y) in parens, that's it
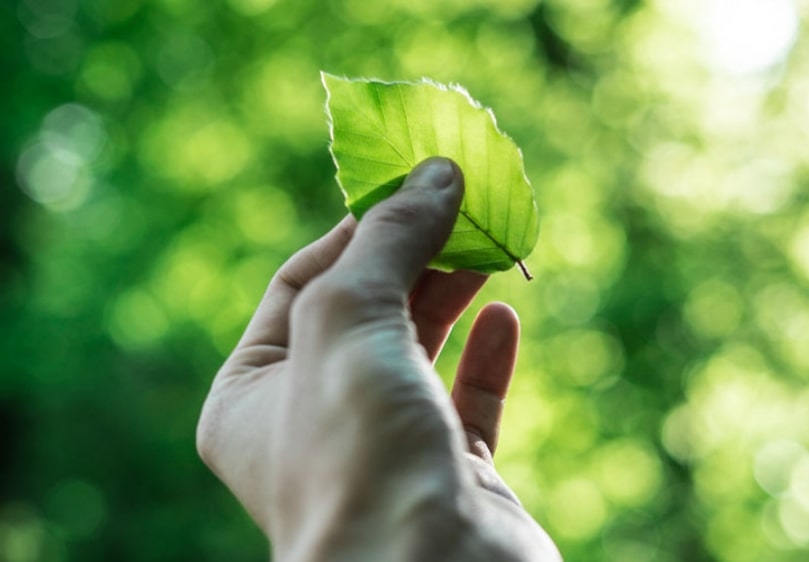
(435, 172)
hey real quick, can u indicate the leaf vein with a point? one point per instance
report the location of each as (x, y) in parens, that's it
(379, 108)
(489, 235)
(407, 125)
(383, 137)
(375, 160)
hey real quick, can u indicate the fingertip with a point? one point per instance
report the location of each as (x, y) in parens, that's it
(500, 310)
(440, 175)
(499, 318)
(436, 172)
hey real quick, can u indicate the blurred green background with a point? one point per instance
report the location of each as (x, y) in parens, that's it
(161, 158)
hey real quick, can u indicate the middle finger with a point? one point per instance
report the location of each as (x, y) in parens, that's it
(436, 303)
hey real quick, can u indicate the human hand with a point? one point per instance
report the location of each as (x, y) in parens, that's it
(328, 421)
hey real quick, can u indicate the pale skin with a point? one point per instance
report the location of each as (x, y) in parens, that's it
(328, 421)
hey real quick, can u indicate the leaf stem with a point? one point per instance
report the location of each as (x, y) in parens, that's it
(524, 270)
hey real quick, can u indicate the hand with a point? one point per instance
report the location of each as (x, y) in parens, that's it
(328, 421)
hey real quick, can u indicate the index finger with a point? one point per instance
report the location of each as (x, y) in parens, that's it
(270, 323)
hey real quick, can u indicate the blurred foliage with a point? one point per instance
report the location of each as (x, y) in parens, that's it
(161, 158)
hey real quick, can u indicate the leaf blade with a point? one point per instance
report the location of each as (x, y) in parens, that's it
(381, 130)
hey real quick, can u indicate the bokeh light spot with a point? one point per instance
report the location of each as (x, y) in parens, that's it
(45, 19)
(573, 300)
(431, 50)
(283, 99)
(590, 242)
(759, 187)
(74, 132)
(794, 519)
(501, 46)
(772, 529)
(265, 215)
(577, 509)
(43, 176)
(78, 507)
(110, 71)
(197, 152)
(677, 434)
(616, 100)
(217, 151)
(190, 279)
(24, 537)
(585, 356)
(137, 320)
(55, 170)
(629, 472)
(184, 59)
(724, 539)
(713, 309)
(518, 428)
(774, 462)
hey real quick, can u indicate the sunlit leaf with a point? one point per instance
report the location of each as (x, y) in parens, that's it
(381, 130)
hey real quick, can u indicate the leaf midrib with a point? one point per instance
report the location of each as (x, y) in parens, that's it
(490, 236)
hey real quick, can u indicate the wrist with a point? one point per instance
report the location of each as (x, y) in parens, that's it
(420, 517)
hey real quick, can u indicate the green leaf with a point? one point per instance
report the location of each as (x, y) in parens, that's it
(380, 131)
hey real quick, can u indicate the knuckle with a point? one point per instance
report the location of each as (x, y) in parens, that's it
(329, 292)
(332, 297)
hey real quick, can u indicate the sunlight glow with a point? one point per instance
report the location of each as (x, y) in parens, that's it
(745, 37)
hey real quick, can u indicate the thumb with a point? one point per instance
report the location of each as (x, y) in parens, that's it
(398, 237)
